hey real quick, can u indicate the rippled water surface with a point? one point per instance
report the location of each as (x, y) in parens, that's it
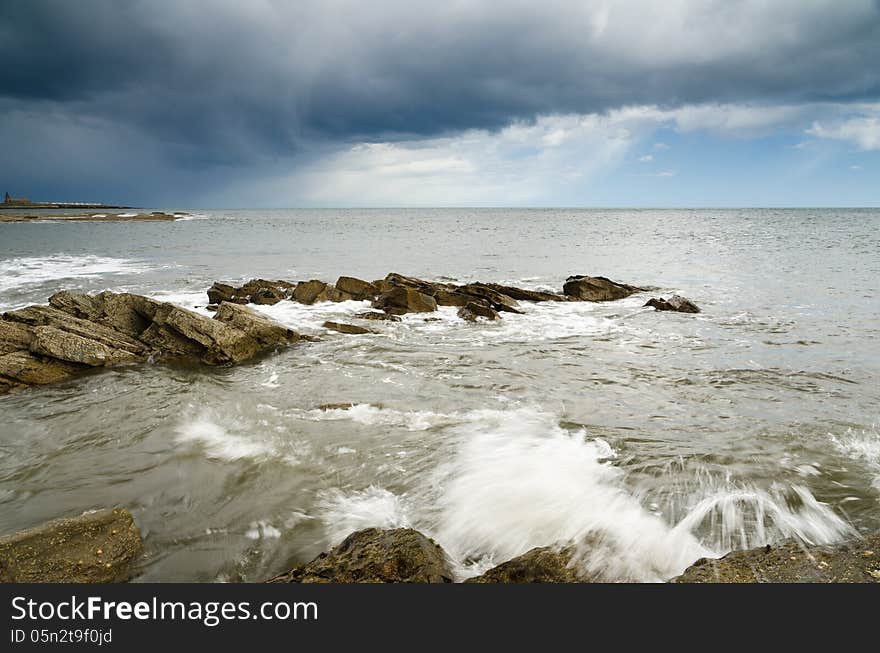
(657, 437)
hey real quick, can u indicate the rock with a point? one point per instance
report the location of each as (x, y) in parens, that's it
(400, 555)
(403, 299)
(427, 287)
(45, 344)
(356, 288)
(674, 303)
(521, 294)
(792, 561)
(345, 328)
(259, 327)
(474, 310)
(267, 296)
(540, 565)
(221, 292)
(453, 298)
(307, 292)
(496, 300)
(597, 289)
(376, 315)
(340, 405)
(97, 547)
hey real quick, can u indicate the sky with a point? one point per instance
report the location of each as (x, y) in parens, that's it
(339, 103)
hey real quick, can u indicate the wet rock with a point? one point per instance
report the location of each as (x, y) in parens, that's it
(453, 298)
(345, 328)
(674, 303)
(540, 565)
(97, 547)
(46, 344)
(339, 405)
(307, 292)
(856, 561)
(357, 288)
(474, 310)
(267, 296)
(259, 327)
(597, 289)
(401, 555)
(403, 299)
(521, 294)
(495, 299)
(221, 292)
(376, 315)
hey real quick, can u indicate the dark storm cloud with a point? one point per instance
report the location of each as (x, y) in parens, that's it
(224, 83)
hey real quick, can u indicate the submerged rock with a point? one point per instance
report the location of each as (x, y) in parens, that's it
(47, 344)
(345, 328)
(856, 561)
(474, 310)
(96, 547)
(376, 315)
(540, 565)
(674, 303)
(400, 555)
(597, 289)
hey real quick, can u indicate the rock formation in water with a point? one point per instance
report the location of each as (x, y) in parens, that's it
(77, 332)
(397, 294)
(674, 303)
(400, 555)
(540, 565)
(96, 547)
(792, 561)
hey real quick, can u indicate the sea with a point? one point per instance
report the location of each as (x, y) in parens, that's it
(648, 439)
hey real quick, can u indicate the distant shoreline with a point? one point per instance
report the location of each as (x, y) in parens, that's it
(154, 216)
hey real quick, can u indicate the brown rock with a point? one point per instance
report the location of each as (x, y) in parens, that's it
(474, 310)
(357, 288)
(856, 561)
(403, 299)
(540, 565)
(521, 294)
(14, 336)
(674, 303)
(345, 328)
(306, 292)
(53, 342)
(28, 369)
(267, 296)
(221, 292)
(401, 555)
(256, 325)
(375, 315)
(496, 300)
(597, 289)
(453, 298)
(97, 547)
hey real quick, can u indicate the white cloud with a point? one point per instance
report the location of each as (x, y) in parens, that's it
(660, 146)
(863, 132)
(855, 168)
(647, 158)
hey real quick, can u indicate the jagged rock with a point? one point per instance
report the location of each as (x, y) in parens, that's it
(221, 292)
(496, 300)
(345, 328)
(453, 298)
(540, 565)
(259, 327)
(474, 310)
(401, 555)
(357, 288)
(521, 294)
(674, 303)
(97, 547)
(267, 296)
(309, 292)
(376, 315)
(792, 561)
(45, 344)
(403, 299)
(597, 289)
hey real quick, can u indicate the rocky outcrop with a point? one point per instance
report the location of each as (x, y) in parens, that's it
(856, 561)
(351, 329)
(96, 547)
(400, 555)
(540, 565)
(674, 303)
(376, 315)
(76, 332)
(357, 289)
(474, 310)
(597, 289)
(403, 299)
(255, 291)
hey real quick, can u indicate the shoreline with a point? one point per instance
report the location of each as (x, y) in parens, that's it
(153, 216)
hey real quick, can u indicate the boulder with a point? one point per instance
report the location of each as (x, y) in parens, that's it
(14, 336)
(25, 368)
(357, 288)
(403, 299)
(267, 296)
(400, 555)
(96, 547)
(307, 292)
(792, 561)
(495, 299)
(540, 565)
(453, 298)
(376, 315)
(221, 292)
(597, 289)
(674, 303)
(474, 310)
(259, 327)
(55, 343)
(345, 328)
(521, 294)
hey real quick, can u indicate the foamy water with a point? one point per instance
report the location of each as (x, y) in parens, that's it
(643, 440)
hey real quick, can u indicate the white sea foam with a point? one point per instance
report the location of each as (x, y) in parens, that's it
(26, 271)
(374, 507)
(862, 445)
(367, 414)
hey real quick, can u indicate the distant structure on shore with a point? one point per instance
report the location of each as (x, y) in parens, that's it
(15, 200)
